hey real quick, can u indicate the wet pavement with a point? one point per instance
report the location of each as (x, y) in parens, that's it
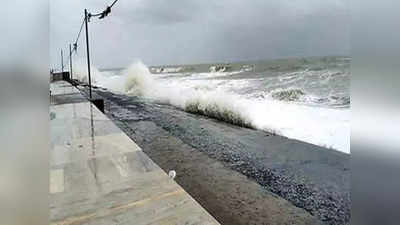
(98, 175)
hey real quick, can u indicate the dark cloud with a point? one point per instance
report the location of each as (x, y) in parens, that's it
(193, 31)
(280, 34)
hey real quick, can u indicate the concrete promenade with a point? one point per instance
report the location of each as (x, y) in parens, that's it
(98, 175)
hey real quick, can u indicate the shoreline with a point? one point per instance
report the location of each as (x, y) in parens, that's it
(238, 173)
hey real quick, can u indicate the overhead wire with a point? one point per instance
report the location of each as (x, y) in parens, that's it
(113, 3)
(75, 45)
(101, 15)
(105, 12)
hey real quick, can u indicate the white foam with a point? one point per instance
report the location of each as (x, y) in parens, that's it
(166, 69)
(321, 126)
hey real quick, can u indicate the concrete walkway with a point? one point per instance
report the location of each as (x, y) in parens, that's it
(98, 175)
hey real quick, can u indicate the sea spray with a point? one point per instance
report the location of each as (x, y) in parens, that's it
(104, 79)
(139, 81)
(80, 71)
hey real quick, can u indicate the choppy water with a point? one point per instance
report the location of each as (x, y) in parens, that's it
(305, 98)
(322, 82)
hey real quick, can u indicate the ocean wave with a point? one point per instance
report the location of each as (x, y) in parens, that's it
(230, 68)
(167, 69)
(298, 95)
(340, 100)
(291, 94)
(217, 111)
(247, 68)
(320, 126)
(219, 68)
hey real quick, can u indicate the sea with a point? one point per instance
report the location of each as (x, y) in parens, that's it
(305, 98)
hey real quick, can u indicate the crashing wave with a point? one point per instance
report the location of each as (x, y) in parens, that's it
(216, 111)
(265, 114)
(138, 80)
(247, 68)
(199, 100)
(166, 69)
(219, 68)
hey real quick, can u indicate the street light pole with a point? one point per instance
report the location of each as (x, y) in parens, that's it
(70, 61)
(62, 62)
(87, 53)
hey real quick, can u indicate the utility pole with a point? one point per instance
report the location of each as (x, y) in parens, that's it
(62, 62)
(87, 53)
(70, 62)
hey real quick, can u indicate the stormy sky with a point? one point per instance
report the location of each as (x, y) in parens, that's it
(196, 31)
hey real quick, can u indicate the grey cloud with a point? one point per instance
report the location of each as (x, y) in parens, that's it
(194, 31)
(162, 12)
(272, 35)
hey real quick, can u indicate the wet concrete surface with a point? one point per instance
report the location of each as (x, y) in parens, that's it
(98, 175)
(240, 175)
